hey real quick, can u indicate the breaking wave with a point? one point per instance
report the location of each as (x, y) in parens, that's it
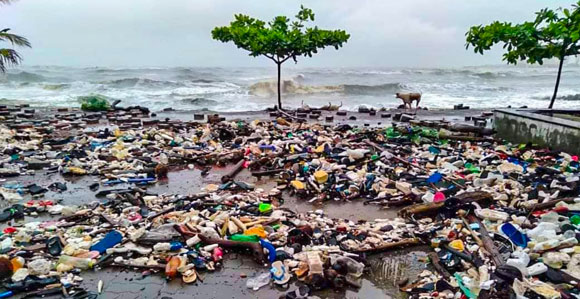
(269, 88)
(199, 101)
(22, 77)
(141, 82)
(56, 86)
(570, 97)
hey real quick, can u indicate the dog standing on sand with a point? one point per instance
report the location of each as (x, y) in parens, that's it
(408, 98)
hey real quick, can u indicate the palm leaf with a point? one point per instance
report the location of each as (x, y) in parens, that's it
(8, 57)
(6, 1)
(13, 38)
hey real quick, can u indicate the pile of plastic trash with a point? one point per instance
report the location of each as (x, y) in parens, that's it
(501, 219)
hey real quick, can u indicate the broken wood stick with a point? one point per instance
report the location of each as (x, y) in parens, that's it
(437, 265)
(487, 241)
(232, 174)
(261, 173)
(549, 204)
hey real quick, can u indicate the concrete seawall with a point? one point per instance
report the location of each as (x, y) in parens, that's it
(523, 126)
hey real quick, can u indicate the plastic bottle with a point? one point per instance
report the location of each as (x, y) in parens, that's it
(546, 245)
(17, 263)
(244, 238)
(537, 269)
(80, 263)
(171, 267)
(217, 254)
(256, 230)
(259, 281)
(5, 245)
(492, 215)
(543, 231)
(555, 259)
(520, 261)
(553, 217)
(162, 247)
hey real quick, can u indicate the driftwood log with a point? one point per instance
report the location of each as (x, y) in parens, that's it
(549, 204)
(433, 207)
(437, 265)
(232, 173)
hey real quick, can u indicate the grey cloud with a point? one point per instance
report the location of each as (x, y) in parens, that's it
(177, 32)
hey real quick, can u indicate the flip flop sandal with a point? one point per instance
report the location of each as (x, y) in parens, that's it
(54, 246)
(189, 276)
(279, 273)
(210, 266)
(6, 215)
(302, 269)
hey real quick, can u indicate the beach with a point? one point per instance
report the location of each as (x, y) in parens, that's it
(230, 279)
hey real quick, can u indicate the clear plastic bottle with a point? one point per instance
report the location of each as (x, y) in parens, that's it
(520, 261)
(537, 269)
(80, 263)
(6, 245)
(259, 281)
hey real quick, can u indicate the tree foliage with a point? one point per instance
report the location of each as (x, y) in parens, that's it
(280, 39)
(10, 57)
(553, 34)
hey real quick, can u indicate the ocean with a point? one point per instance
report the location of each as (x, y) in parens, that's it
(253, 89)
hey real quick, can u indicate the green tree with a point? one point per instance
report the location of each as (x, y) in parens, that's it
(10, 57)
(553, 34)
(280, 39)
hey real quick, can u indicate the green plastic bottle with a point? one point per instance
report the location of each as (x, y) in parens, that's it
(264, 207)
(575, 219)
(244, 238)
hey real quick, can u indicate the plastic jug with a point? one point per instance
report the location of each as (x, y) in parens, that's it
(80, 263)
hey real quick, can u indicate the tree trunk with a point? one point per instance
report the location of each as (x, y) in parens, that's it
(557, 82)
(279, 87)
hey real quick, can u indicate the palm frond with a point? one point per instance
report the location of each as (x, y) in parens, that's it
(6, 2)
(8, 57)
(13, 38)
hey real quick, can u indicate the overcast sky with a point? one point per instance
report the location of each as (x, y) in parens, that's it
(414, 33)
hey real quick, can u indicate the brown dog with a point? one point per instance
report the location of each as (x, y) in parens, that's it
(408, 98)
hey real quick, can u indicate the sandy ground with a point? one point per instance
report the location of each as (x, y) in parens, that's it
(227, 282)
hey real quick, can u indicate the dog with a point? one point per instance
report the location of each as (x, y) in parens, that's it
(408, 98)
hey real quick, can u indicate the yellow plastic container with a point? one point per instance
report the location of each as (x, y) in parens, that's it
(321, 176)
(298, 185)
(457, 245)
